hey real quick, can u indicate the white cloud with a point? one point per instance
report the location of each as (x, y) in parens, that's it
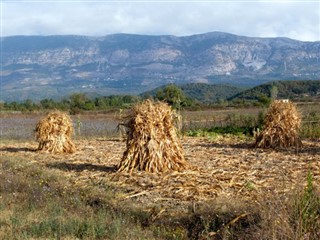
(298, 20)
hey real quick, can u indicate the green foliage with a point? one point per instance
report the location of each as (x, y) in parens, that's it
(305, 211)
(210, 93)
(264, 100)
(75, 103)
(311, 125)
(281, 89)
(196, 93)
(216, 131)
(173, 95)
(236, 124)
(192, 96)
(274, 92)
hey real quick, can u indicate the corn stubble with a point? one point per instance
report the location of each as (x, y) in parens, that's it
(281, 127)
(54, 133)
(152, 141)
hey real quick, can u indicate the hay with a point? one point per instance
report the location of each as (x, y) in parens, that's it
(54, 133)
(281, 126)
(152, 141)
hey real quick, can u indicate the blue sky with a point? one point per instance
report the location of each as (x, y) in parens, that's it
(294, 19)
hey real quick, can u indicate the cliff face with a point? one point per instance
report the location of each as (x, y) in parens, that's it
(39, 67)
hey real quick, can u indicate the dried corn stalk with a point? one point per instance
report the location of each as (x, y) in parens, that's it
(281, 126)
(152, 141)
(54, 133)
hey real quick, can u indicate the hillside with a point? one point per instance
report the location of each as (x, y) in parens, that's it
(210, 93)
(202, 92)
(39, 67)
(282, 89)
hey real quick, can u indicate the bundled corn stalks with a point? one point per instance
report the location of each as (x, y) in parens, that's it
(152, 141)
(281, 126)
(54, 133)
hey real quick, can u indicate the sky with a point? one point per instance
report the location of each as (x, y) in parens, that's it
(266, 18)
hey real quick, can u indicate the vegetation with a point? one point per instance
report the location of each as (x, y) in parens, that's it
(38, 202)
(188, 96)
(200, 93)
(210, 93)
(173, 95)
(302, 90)
(75, 103)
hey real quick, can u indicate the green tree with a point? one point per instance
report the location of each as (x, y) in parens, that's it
(29, 105)
(48, 104)
(264, 99)
(77, 102)
(173, 95)
(89, 105)
(101, 103)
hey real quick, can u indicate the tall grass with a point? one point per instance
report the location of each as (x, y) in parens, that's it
(294, 216)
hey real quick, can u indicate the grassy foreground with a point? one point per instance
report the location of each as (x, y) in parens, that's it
(39, 203)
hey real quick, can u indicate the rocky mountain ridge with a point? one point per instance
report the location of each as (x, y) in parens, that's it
(38, 67)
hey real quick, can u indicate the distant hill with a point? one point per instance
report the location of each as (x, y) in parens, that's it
(38, 67)
(202, 92)
(213, 93)
(282, 89)
(210, 93)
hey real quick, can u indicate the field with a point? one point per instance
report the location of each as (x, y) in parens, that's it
(232, 190)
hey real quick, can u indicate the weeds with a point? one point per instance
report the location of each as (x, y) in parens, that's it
(215, 132)
(295, 216)
(38, 203)
(305, 214)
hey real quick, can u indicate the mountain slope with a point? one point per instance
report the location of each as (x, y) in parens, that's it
(40, 67)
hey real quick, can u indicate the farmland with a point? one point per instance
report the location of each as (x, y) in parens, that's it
(232, 190)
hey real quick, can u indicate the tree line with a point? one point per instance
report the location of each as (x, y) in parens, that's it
(78, 102)
(172, 94)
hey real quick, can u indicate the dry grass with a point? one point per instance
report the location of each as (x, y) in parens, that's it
(281, 127)
(152, 141)
(229, 171)
(54, 133)
(226, 169)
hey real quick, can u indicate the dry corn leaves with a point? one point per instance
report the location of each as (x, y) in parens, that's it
(281, 126)
(54, 133)
(152, 142)
(221, 168)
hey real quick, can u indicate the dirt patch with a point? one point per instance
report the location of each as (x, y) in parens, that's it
(223, 168)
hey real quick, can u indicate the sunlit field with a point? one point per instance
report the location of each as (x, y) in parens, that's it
(232, 190)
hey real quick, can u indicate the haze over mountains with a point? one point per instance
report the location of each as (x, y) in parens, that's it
(38, 67)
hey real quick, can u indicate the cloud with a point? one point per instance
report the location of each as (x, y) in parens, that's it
(298, 20)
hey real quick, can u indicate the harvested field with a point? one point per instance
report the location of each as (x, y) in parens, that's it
(223, 168)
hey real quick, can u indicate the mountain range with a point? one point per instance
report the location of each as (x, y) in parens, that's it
(38, 67)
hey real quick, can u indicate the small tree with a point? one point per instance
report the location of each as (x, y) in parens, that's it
(171, 94)
(274, 92)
